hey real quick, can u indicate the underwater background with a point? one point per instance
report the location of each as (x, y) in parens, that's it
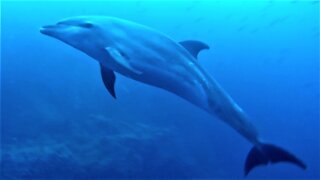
(58, 121)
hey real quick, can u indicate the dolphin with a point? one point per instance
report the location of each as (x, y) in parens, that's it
(151, 57)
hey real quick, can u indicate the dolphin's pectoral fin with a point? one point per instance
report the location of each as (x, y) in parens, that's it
(121, 59)
(109, 79)
(194, 47)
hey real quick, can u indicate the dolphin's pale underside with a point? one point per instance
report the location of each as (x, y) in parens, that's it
(148, 56)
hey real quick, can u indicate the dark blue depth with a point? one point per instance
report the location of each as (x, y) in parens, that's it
(58, 121)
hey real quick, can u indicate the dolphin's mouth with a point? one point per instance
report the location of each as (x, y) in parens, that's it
(48, 29)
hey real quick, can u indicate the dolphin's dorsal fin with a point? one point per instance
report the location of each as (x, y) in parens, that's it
(121, 59)
(108, 78)
(194, 47)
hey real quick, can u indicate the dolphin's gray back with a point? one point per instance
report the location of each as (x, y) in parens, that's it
(163, 62)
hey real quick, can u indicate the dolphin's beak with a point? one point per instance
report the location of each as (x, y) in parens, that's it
(47, 30)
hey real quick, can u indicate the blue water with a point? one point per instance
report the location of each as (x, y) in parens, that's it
(58, 121)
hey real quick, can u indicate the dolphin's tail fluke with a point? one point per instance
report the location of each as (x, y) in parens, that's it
(263, 154)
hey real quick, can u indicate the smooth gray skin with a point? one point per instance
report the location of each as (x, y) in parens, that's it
(153, 58)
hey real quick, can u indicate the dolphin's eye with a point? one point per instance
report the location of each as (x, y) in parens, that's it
(86, 25)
